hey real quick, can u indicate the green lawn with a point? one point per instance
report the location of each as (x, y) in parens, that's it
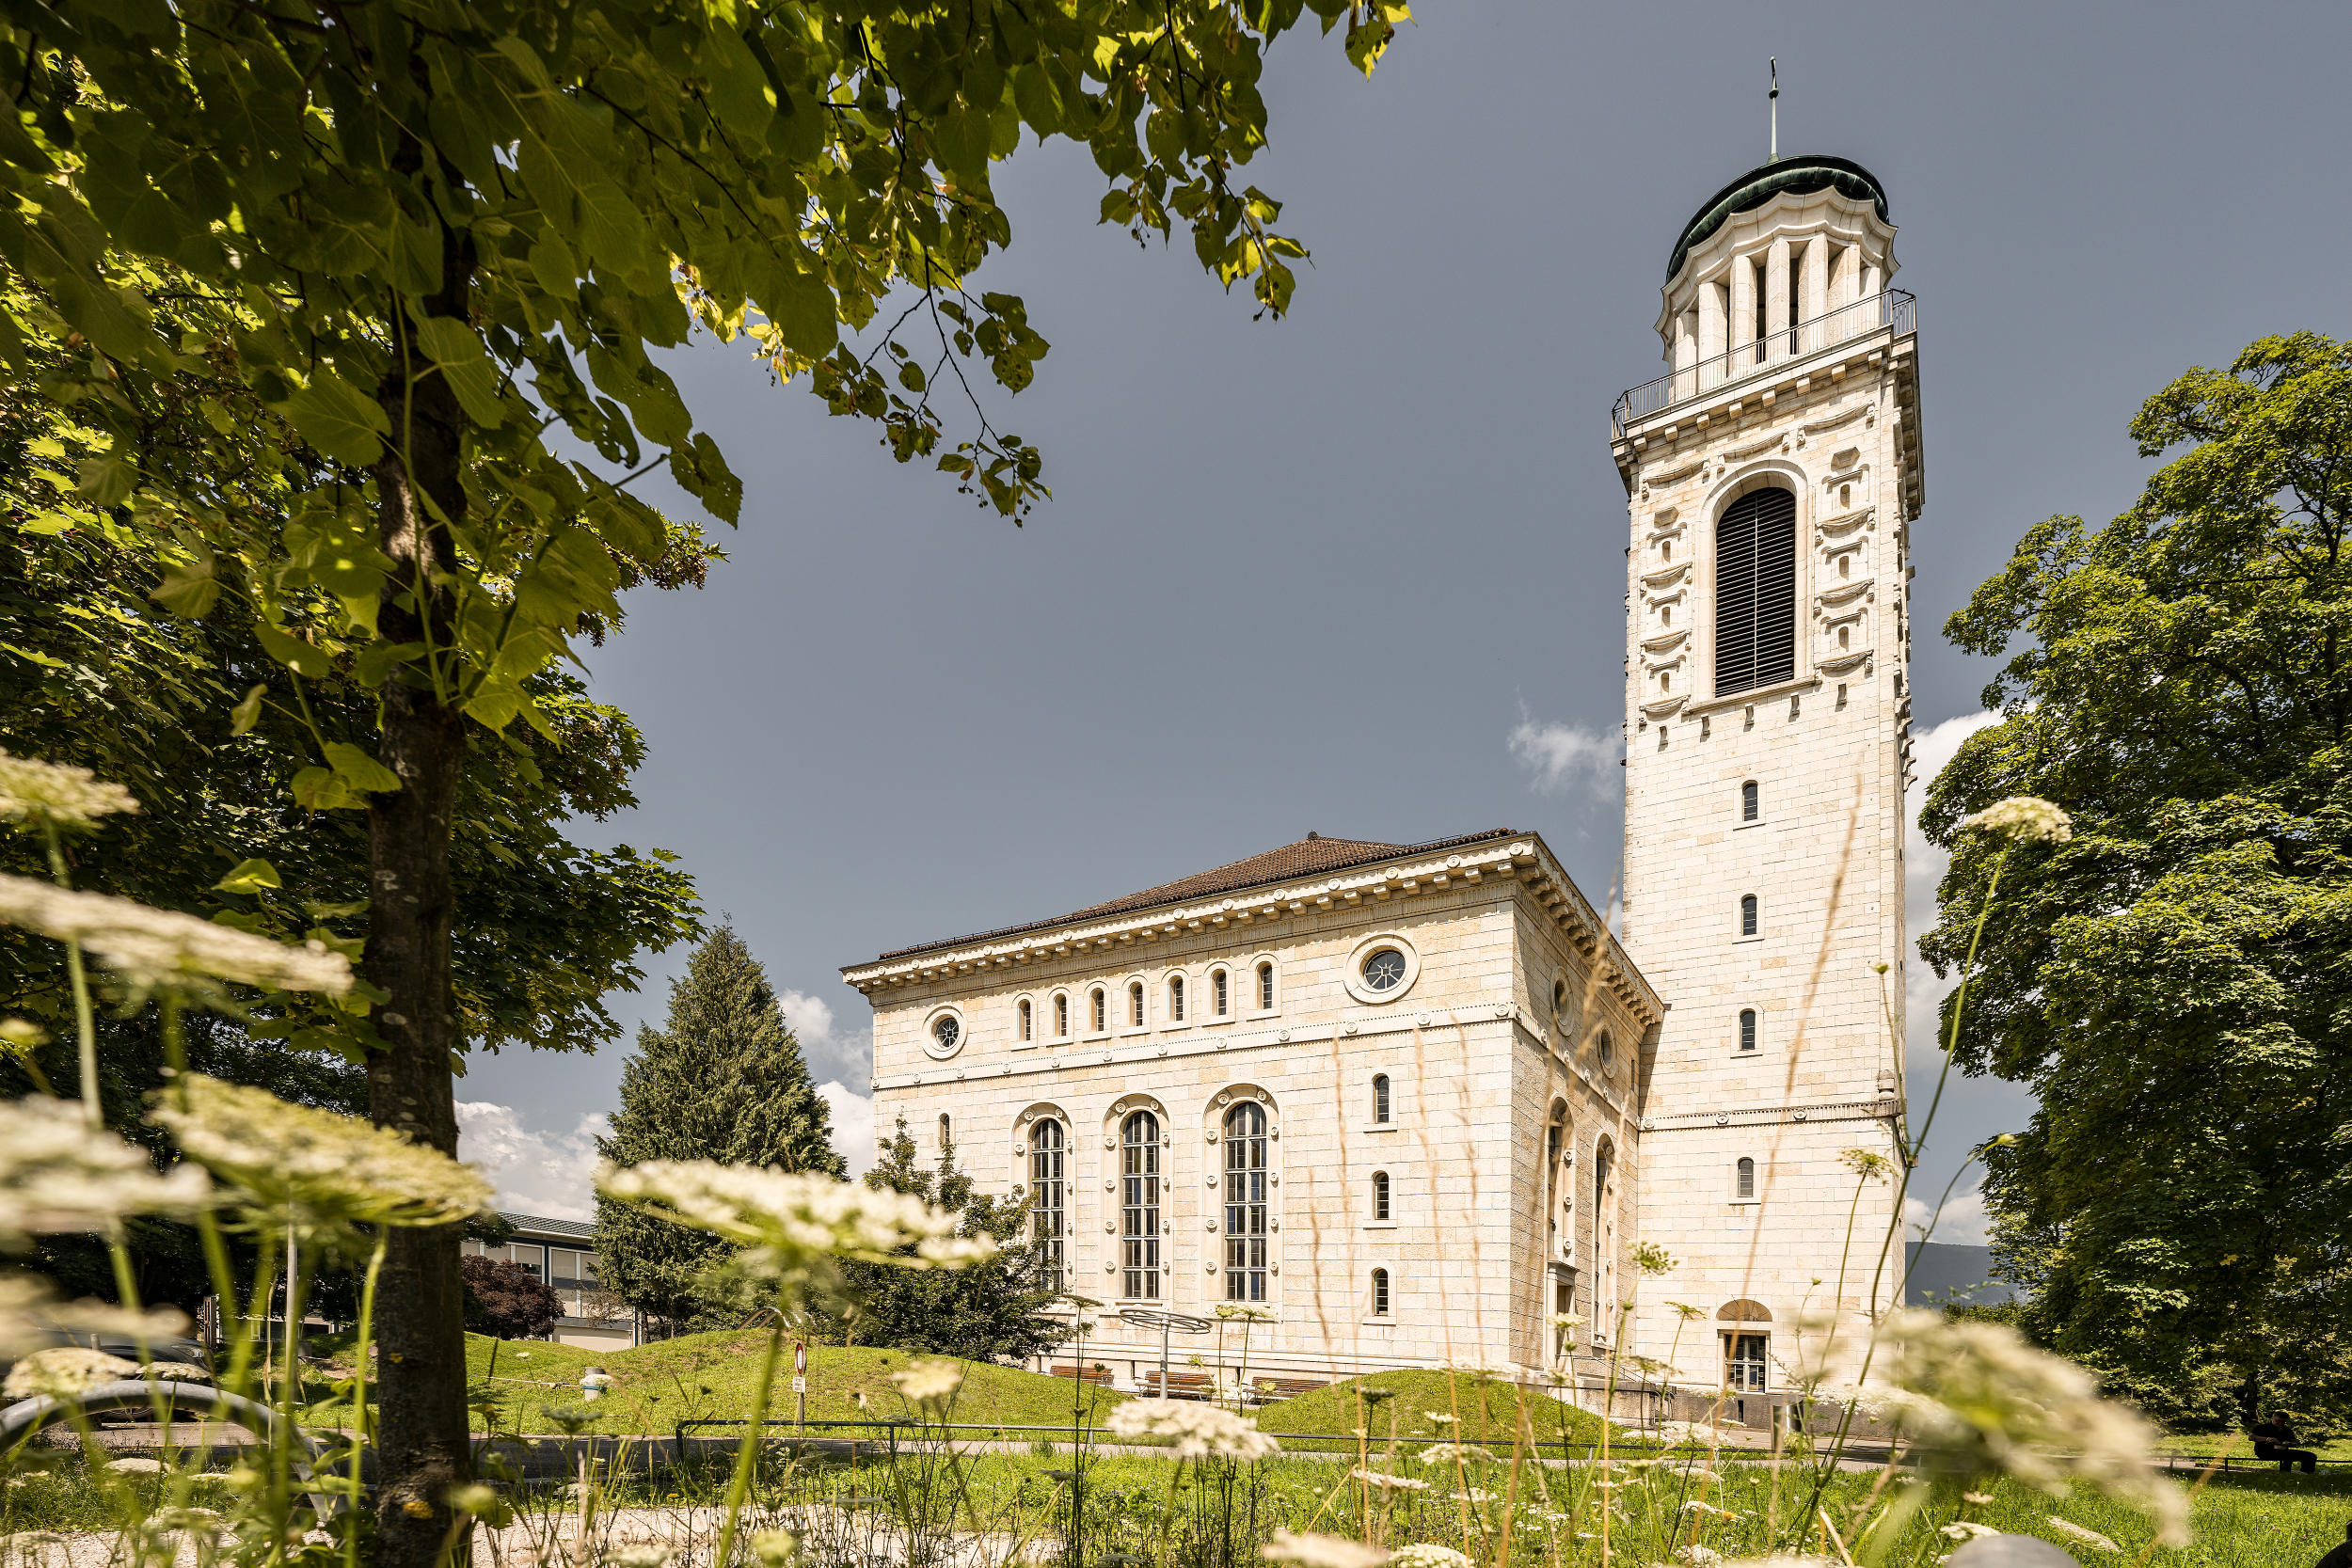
(1482, 1411)
(703, 1376)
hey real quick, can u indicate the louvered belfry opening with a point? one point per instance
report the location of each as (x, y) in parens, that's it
(1756, 592)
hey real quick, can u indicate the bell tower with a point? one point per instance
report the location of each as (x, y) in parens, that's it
(1772, 474)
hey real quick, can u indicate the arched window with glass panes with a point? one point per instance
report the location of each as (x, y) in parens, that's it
(1379, 1292)
(1061, 1015)
(1175, 999)
(1747, 915)
(1140, 1205)
(1028, 1021)
(1745, 1176)
(1100, 1024)
(1265, 988)
(1756, 592)
(1246, 1212)
(1049, 1190)
(1134, 1004)
(1220, 993)
(1381, 1099)
(1747, 1028)
(1379, 1195)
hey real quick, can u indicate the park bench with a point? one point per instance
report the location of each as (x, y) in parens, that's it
(1184, 1385)
(1084, 1375)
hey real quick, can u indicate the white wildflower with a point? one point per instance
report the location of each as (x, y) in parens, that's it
(1673, 1434)
(1698, 1556)
(793, 1223)
(1978, 1498)
(135, 1465)
(1199, 1430)
(31, 1316)
(155, 948)
(1968, 1530)
(1427, 1554)
(1975, 1399)
(1394, 1483)
(1321, 1551)
(638, 1554)
(63, 1370)
(315, 1170)
(1780, 1559)
(47, 793)
(58, 1174)
(2026, 818)
(1447, 1454)
(775, 1549)
(929, 1382)
(1695, 1506)
(1440, 1416)
(2088, 1537)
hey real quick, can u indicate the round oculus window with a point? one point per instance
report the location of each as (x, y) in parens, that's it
(946, 1032)
(1384, 969)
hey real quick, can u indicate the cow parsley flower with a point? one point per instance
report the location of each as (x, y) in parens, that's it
(31, 1316)
(1975, 1399)
(48, 794)
(795, 1223)
(1201, 1430)
(1321, 1551)
(157, 949)
(320, 1172)
(638, 1554)
(2026, 818)
(1967, 1529)
(775, 1549)
(1394, 1484)
(1427, 1554)
(63, 1370)
(1446, 1453)
(929, 1382)
(2088, 1537)
(59, 1175)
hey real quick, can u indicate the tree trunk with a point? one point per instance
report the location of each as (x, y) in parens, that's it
(423, 1443)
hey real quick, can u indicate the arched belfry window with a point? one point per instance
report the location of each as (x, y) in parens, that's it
(1756, 592)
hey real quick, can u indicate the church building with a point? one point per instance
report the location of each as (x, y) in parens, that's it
(1406, 1105)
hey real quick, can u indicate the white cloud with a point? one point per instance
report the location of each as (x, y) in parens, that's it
(846, 1054)
(1962, 1221)
(1564, 757)
(534, 1172)
(852, 1124)
(810, 1017)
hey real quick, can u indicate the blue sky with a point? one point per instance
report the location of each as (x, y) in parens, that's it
(1357, 571)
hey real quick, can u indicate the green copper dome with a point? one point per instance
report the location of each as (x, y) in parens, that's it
(1799, 176)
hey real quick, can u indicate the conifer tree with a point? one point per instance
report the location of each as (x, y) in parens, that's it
(724, 1081)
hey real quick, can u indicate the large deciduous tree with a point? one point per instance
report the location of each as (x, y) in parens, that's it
(724, 1079)
(437, 231)
(2176, 981)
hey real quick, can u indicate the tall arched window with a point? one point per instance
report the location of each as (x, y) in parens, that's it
(1048, 1189)
(1381, 1099)
(1555, 1136)
(1175, 999)
(1379, 1195)
(1747, 915)
(1218, 993)
(1061, 1015)
(1134, 1004)
(1747, 1176)
(1756, 592)
(1379, 1292)
(1100, 1024)
(1265, 988)
(1245, 1203)
(1747, 1028)
(1028, 1023)
(1139, 1205)
(1748, 802)
(1604, 1237)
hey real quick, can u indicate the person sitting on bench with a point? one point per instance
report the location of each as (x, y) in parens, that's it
(2275, 1440)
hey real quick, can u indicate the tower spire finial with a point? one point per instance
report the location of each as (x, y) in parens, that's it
(1775, 150)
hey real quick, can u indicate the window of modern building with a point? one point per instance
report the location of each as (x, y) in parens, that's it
(1246, 1202)
(1134, 1004)
(1747, 1028)
(1140, 1205)
(1265, 988)
(1218, 999)
(1100, 1022)
(1048, 1189)
(1747, 915)
(1749, 802)
(1380, 1098)
(1379, 1292)
(1755, 588)
(1747, 1176)
(1175, 999)
(1061, 1016)
(1028, 1023)
(1379, 1195)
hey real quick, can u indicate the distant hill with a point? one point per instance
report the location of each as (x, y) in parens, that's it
(1944, 1273)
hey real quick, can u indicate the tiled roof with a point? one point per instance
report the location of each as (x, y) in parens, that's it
(1311, 854)
(537, 1226)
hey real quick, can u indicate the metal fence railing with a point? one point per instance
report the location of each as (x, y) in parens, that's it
(1895, 312)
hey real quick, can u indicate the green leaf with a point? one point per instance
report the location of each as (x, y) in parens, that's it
(107, 481)
(291, 651)
(321, 789)
(378, 659)
(361, 770)
(247, 713)
(189, 590)
(495, 707)
(455, 350)
(339, 419)
(803, 310)
(249, 876)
